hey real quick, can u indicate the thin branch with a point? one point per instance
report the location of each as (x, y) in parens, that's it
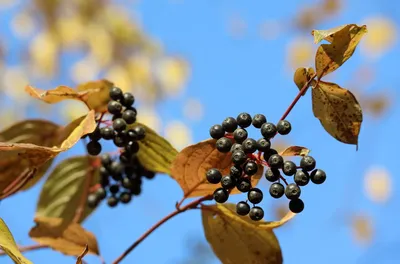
(297, 98)
(191, 205)
(26, 248)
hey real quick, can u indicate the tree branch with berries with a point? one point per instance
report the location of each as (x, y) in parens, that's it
(230, 163)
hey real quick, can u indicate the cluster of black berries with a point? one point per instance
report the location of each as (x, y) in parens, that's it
(121, 178)
(232, 137)
(126, 173)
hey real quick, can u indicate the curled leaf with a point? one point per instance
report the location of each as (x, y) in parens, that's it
(237, 239)
(331, 56)
(191, 164)
(155, 152)
(67, 238)
(295, 151)
(96, 94)
(53, 96)
(338, 111)
(61, 193)
(328, 34)
(7, 243)
(302, 76)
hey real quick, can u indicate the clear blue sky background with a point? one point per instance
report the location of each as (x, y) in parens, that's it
(229, 76)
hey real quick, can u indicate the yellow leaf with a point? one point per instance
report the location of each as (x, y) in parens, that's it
(53, 96)
(328, 34)
(299, 52)
(173, 74)
(155, 153)
(362, 229)
(7, 243)
(96, 94)
(67, 238)
(378, 184)
(295, 151)
(331, 56)
(61, 193)
(302, 76)
(237, 239)
(191, 164)
(338, 111)
(178, 134)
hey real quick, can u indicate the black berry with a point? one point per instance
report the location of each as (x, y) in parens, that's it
(217, 132)
(213, 176)
(244, 120)
(289, 168)
(301, 178)
(272, 174)
(140, 132)
(221, 195)
(269, 153)
(116, 93)
(236, 146)
(239, 157)
(250, 168)
(263, 144)
(114, 188)
(242, 208)
(105, 159)
(255, 196)
(256, 213)
(240, 134)
(92, 200)
(236, 172)
(268, 130)
(101, 193)
(116, 168)
(95, 135)
(127, 183)
(259, 120)
(283, 127)
(276, 190)
(228, 182)
(243, 185)
(119, 141)
(223, 145)
(308, 163)
(132, 147)
(114, 107)
(149, 174)
(296, 206)
(229, 124)
(112, 201)
(129, 116)
(249, 145)
(275, 161)
(318, 176)
(107, 133)
(292, 191)
(119, 124)
(125, 197)
(128, 99)
(93, 148)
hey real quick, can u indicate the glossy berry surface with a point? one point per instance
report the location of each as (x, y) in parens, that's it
(107, 133)
(236, 171)
(112, 201)
(228, 182)
(269, 153)
(128, 99)
(249, 145)
(92, 200)
(229, 124)
(259, 120)
(217, 132)
(240, 134)
(119, 124)
(129, 116)
(256, 213)
(116, 93)
(251, 168)
(243, 185)
(283, 127)
(213, 176)
(296, 206)
(263, 144)
(301, 178)
(242, 208)
(236, 146)
(308, 163)
(272, 174)
(239, 157)
(292, 191)
(244, 120)
(268, 130)
(140, 132)
(275, 161)
(114, 107)
(93, 148)
(221, 195)
(318, 176)
(255, 196)
(289, 168)
(276, 190)
(223, 145)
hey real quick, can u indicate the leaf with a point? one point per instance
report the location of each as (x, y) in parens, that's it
(328, 34)
(329, 57)
(237, 239)
(96, 94)
(61, 193)
(80, 257)
(7, 243)
(67, 238)
(302, 76)
(338, 111)
(155, 152)
(53, 96)
(295, 151)
(191, 164)
(38, 132)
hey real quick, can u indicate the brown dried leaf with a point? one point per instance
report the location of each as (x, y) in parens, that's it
(329, 57)
(328, 34)
(191, 164)
(237, 239)
(295, 151)
(302, 76)
(338, 111)
(97, 94)
(67, 238)
(53, 96)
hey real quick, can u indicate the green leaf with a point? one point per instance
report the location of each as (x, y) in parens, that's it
(155, 152)
(331, 56)
(62, 191)
(7, 243)
(338, 111)
(237, 239)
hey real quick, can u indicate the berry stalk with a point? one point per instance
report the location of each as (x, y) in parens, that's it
(189, 206)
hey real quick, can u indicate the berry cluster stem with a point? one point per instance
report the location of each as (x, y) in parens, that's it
(297, 98)
(192, 205)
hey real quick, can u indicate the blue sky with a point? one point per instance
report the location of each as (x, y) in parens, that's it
(231, 75)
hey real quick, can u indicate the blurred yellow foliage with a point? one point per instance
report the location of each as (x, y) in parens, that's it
(378, 184)
(23, 25)
(14, 79)
(72, 110)
(149, 117)
(172, 75)
(85, 70)
(44, 54)
(382, 34)
(362, 229)
(193, 109)
(300, 52)
(270, 29)
(178, 134)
